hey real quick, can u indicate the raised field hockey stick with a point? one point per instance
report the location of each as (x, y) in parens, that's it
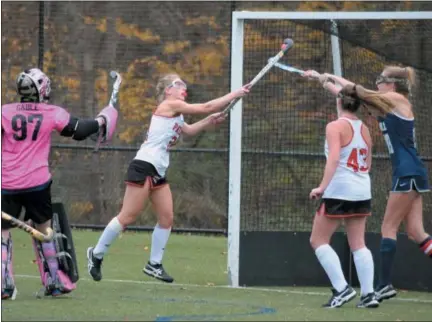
(113, 100)
(293, 69)
(116, 87)
(287, 44)
(36, 234)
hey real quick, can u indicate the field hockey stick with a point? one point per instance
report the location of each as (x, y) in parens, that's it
(113, 100)
(289, 68)
(116, 87)
(36, 234)
(294, 70)
(287, 44)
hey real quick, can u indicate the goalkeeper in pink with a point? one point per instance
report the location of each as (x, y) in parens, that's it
(26, 180)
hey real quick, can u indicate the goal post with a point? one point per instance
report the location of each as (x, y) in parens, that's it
(238, 77)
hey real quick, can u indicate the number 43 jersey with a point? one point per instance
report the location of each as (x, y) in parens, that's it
(351, 180)
(26, 142)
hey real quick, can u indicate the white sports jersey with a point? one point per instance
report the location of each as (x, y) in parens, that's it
(351, 180)
(163, 133)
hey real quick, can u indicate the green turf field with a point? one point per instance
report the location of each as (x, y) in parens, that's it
(199, 293)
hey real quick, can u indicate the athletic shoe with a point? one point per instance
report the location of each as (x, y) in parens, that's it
(94, 265)
(385, 292)
(9, 293)
(340, 298)
(56, 292)
(368, 301)
(157, 271)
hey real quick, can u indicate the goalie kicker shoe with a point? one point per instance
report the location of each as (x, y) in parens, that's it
(157, 271)
(340, 298)
(94, 265)
(9, 291)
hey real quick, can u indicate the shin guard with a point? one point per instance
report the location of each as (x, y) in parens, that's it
(8, 282)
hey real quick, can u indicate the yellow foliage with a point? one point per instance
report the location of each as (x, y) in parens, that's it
(202, 20)
(100, 86)
(162, 67)
(254, 39)
(315, 35)
(131, 30)
(101, 24)
(81, 207)
(209, 60)
(353, 5)
(130, 134)
(15, 70)
(48, 60)
(71, 83)
(173, 47)
(89, 20)
(8, 86)
(391, 25)
(223, 43)
(316, 5)
(408, 5)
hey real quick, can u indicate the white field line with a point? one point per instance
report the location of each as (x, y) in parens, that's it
(227, 287)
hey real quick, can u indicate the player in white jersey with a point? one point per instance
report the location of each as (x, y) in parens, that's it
(345, 193)
(146, 175)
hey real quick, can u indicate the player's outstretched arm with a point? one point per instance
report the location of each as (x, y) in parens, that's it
(80, 129)
(216, 105)
(324, 79)
(197, 127)
(339, 80)
(381, 102)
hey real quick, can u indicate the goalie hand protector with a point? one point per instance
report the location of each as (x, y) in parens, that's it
(110, 115)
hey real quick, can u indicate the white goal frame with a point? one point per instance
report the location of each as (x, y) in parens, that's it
(235, 144)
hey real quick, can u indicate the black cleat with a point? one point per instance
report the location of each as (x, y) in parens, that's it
(368, 301)
(157, 271)
(385, 292)
(94, 265)
(340, 298)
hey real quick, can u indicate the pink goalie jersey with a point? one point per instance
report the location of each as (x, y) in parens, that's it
(26, 142)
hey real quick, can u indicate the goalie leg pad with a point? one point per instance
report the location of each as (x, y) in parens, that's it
(8, 281)
(54, 280)
(110, 114)
(56, 260)
(64, 243)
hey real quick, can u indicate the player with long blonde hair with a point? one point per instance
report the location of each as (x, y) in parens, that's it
(146, 176)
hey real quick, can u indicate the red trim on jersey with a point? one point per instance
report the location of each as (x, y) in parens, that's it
(168, 117)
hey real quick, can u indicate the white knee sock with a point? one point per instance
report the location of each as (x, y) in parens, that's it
(365, 269)
(159, 240)
(110, 233)
(329, 260)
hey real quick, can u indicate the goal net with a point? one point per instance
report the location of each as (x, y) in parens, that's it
(277, 132)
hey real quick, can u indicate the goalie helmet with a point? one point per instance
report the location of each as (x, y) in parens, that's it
(33, 86)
